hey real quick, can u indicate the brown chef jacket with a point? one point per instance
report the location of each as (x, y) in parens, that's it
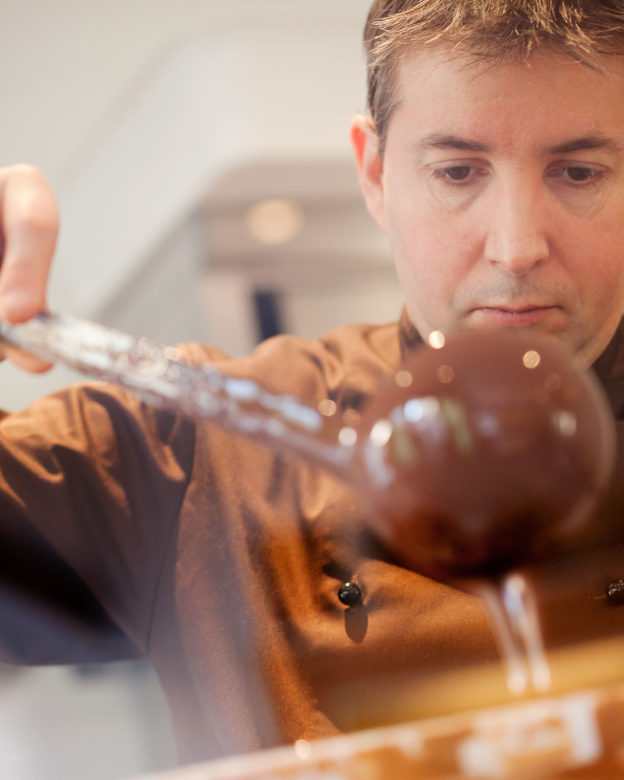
(126, 531)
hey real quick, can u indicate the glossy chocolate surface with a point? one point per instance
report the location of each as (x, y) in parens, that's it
(484, 453)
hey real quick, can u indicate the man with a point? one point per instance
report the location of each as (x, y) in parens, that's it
(494, 160)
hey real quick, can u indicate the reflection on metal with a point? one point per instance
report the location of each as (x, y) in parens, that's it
(404, 378)
(531, 359)
(303, 749)
(347, 437)
(381, 433)
(436, 339)
(565, 422)
(445, 374)
(327, 407)
(417, 409)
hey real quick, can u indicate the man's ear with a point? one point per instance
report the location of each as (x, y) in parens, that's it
(365, 142)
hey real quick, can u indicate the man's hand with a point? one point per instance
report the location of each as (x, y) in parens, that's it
(29, 224)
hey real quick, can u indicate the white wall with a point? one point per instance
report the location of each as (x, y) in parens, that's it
(70, 67)
(136, 109)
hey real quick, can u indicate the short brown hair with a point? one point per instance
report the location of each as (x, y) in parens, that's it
(485, 29)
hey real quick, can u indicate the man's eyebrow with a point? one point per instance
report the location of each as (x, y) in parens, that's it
(580, 144)
(446, 141)
(585, 143)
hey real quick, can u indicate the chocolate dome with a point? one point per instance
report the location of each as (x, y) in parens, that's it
(484, 453)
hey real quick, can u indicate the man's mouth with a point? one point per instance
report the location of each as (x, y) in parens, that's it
(511, 316)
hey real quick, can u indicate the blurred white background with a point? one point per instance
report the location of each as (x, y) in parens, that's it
(165, 128)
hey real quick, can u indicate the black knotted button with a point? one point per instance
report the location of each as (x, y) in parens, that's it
(350, 594)
(615, 592)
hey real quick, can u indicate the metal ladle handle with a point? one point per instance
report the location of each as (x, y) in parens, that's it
(159, 375)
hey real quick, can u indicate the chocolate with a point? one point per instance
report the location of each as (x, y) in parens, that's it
(493, 455)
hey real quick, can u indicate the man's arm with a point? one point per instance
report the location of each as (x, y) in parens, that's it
(90, 481)
(91, 486)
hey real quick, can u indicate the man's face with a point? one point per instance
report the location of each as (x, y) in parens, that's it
(502, 194)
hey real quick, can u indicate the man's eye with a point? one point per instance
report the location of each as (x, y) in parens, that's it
(577, 174)
(454, 174)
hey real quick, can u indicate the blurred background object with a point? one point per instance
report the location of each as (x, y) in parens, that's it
(200, 154)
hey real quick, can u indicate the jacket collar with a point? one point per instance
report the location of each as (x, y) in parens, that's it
(409, 338)
(609, 368)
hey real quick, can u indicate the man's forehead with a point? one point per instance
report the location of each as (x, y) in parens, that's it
(460, 103)
(426, 60)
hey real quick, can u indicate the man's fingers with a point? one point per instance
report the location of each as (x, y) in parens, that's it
(23, 360)
(29, 217)
(28, 231)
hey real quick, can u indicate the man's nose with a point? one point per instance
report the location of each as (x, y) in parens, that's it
(516, 237)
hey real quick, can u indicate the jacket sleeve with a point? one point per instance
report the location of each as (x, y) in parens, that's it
(91, 483)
